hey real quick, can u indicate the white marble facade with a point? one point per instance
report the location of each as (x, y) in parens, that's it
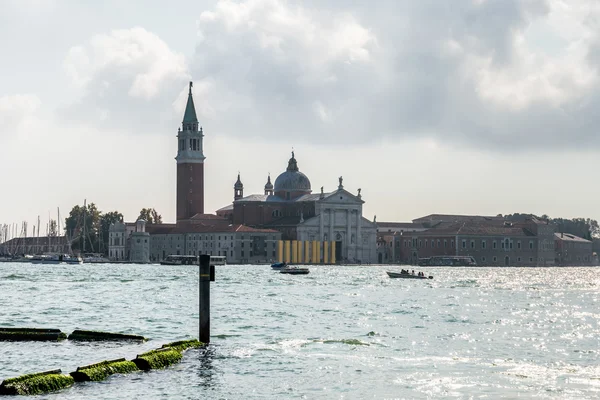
(339, 218)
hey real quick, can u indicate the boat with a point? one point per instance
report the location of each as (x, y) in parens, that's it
(278, 265)
(294, 270)
(444, 261)
(176, 259)
(57, 259)
(405, 275)
(95, 258)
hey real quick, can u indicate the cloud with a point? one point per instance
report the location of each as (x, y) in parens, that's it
(476, 73)
(18, 113)
(127, 80)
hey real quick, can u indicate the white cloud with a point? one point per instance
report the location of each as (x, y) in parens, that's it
(124, 77)
(18, 114)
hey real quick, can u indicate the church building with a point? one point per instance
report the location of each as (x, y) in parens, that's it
(290, 207)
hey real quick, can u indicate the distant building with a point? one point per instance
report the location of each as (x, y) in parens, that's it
(290, 207)
(573, 250)
(139, 243)
(491, 241)
(117, 242)
(35, 245)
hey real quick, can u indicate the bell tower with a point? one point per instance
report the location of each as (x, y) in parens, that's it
(190, 164)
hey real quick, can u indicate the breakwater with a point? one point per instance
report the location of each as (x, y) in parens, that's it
(340, 331)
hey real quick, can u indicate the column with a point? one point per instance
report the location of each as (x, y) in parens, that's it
(325, 252)
(280, 250)
(307, 252)
(318, 253)
(287, 251)
(348, 232)
(333, 252)
(300, 260)
(321, 223)
(331, 218)
(294, 251)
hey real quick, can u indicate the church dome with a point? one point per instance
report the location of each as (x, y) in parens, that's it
(292, 180)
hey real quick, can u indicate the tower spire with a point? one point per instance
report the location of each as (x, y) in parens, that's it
(190, 110)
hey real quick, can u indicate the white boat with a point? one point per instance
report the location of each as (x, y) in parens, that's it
(57, 259)
(95, 258)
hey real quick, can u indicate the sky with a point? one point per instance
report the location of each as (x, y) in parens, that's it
(466, 106)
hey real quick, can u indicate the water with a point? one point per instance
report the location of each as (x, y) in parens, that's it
(339, 333)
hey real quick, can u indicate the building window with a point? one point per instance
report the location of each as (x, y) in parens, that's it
(530, 259)
(439, 242)
(452, 243)
(482, 259)
(425, 243)
(495, 258)
(531, 244)
(483, 244)
(445, 243)
(519, 244)
(519, 259)
(420, 243)
(464, 244)
(494, 245)
(510, 245)
(472, 244)
(432, 243)
(242, 253)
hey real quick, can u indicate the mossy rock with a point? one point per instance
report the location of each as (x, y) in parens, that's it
(156, 359)
(39, 383)
(102, 370)
(90, 336)
(183, 345)
(31, 334)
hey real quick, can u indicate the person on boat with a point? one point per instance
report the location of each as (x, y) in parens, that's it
(413, 271)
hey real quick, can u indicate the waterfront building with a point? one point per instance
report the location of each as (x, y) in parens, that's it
(139, 248)
(492, 241)
(290, 207)
(573, 250)
(35, 245)
(117, 242)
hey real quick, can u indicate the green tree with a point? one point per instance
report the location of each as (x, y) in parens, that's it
(150, 216)
(83, 228)
(105, 222)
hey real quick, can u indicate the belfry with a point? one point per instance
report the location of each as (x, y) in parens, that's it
(190, 164)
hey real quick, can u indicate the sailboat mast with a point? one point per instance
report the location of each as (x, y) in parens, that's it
(84, 226)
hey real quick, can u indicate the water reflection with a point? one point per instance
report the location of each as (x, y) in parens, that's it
(206, 372)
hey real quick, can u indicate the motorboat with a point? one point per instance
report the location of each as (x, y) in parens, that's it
(278, 265)
(57, 259)
(294, 270)
(95, 258)
(406, 275)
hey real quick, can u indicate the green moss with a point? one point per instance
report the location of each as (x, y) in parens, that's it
(97, 335)
(39, 383)
(31, 334)
(102, 370)
(157, 359)
(183, 345)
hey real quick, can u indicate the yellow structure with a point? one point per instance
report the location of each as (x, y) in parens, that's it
(298, 252)
(280, 250)
(299, 256)
(294, 251)
(287, 251)
(307, 252)
(332, 259)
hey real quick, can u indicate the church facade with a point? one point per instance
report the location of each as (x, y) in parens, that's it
(290, 207)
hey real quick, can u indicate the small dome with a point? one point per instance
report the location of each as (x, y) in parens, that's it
(269, 185)
(238, 183)
(292, 180)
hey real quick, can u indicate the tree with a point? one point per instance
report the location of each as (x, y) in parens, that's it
(106, 220)
(150, 216)
(52, 228)
(83, 227)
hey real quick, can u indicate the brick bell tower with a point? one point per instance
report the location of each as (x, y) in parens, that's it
(190, 164)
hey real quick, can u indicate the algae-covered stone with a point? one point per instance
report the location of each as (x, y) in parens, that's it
(156, 359)
(31, 334)
(183, 345)
(102, 370)
(83, 335)
(39, 383)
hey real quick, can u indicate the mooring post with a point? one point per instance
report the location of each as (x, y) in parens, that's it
(204, 298)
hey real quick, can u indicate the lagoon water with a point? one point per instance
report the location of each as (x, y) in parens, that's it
(341, 332)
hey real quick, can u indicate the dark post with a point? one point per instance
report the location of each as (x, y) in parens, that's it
(204, 298)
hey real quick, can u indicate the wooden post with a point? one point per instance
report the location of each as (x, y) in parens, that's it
(204, 336)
